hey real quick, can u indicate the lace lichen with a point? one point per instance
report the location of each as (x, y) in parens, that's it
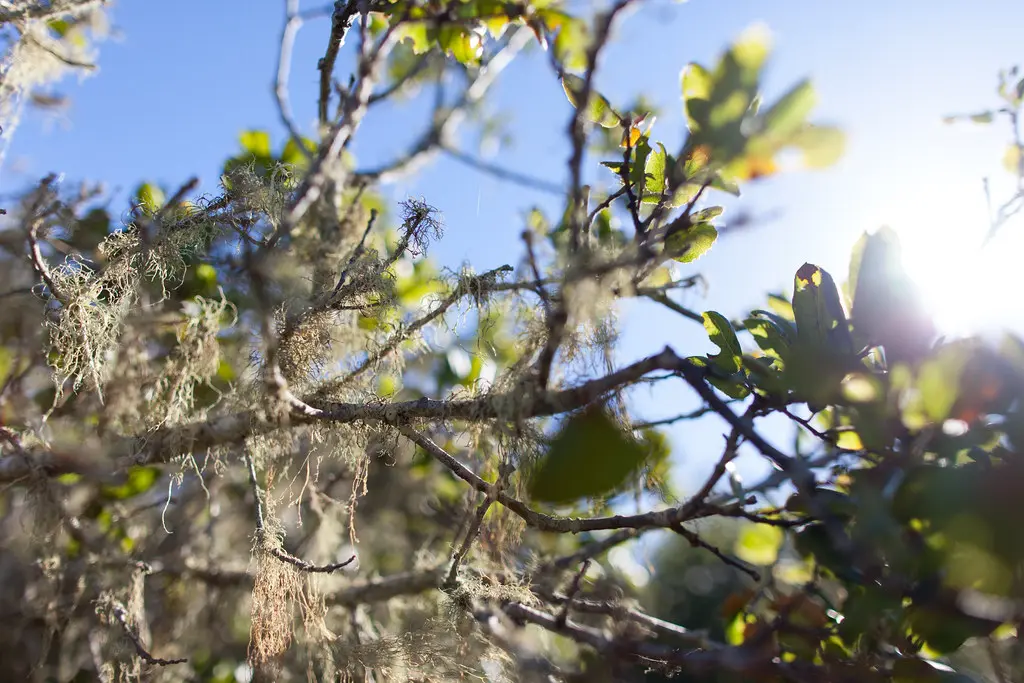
(96, 303)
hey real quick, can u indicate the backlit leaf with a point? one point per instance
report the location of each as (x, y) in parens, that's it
(689, 245)
(768, 334)
(822, 146)
(696, 82)
(938, 380)
(886, 306)
(819, 314)
(590, 456)
(789, 114)
(599, 110)
(758, 544)
(654, 172)
(724, 337)
(1011, 159)
(256, 143)
(150, 197)
(416, 33)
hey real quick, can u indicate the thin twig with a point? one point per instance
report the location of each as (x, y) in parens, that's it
(311, 188)
(122, 617)
(570, 595)
(590, 550)
(61, 57)
(292, 24)
(261, 531)
(466, 286)
(401, 81)
(504, 173)
(39, 262)
(188, 186)
(665, 301)
(692, 415)
(445, 122)
(604, 204)
(697, 542)
(665, 518)
(356, 253)
(474, 528)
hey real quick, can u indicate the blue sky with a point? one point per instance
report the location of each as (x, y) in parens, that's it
(185, 78)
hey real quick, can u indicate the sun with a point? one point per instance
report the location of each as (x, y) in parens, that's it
(969, 285)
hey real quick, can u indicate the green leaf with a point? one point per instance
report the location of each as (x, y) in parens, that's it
(764, 375)
(292, 154)
(815, 541)
(614, 166)
(590, 456)
(256, 143)
(710, 213)
(59, 26)
(945, 631)
(140, 480)
(698, 114)
(752, 47)
(695, 82)
(912, 670)
(462, 44)
(734, 386)
(783, 320)
(654, 172)
(820, 319)
(571, 44)
(790, 113)
(599, 109)
(638, 165)
(689, 245)
(782, 306)
(1011, 159)
(150, 197)
(938, 380)
(718, 182)
(724, 337)
(416, 32)
(770, 336)
(886, 307)
(758, 544)
(822, 146)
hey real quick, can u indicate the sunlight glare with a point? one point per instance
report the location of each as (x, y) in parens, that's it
(968, 286)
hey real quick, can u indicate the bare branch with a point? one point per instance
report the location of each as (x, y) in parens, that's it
(341, 21)
(384, 588)
(312, 186)
(166, 443)
(445, 122)
(292, 24)
(122, 617)
(666, 518)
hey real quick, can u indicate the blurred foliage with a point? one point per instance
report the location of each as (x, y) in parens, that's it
(886, 548)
